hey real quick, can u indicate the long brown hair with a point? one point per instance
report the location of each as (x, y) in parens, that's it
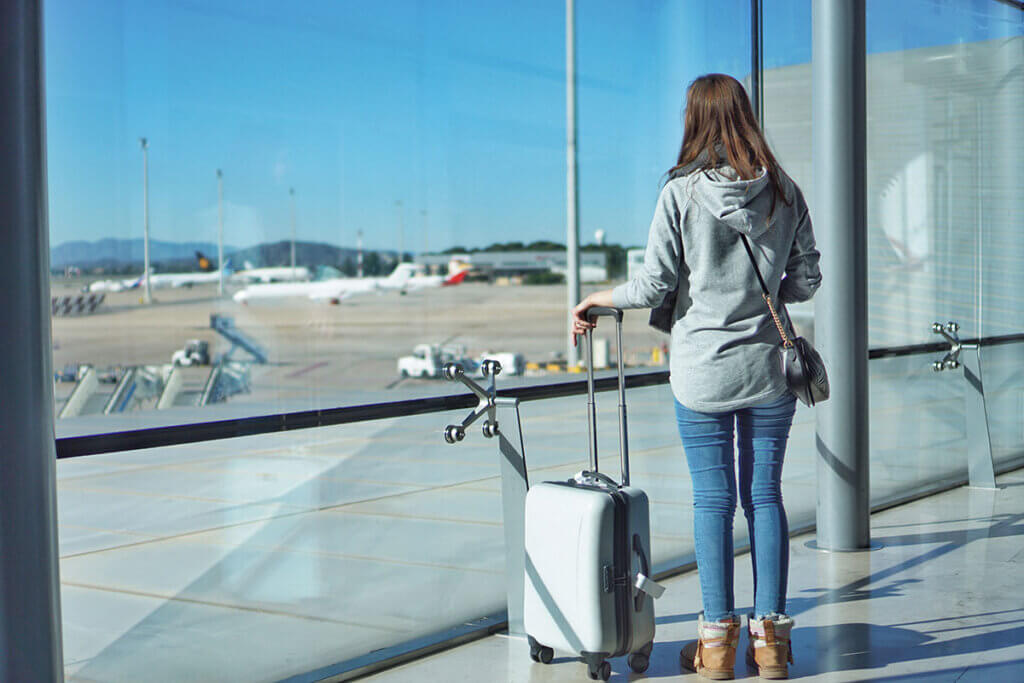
(719, 118)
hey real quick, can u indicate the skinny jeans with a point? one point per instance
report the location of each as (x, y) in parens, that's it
(762, 432)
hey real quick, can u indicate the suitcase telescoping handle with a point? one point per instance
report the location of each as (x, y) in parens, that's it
(593, 314)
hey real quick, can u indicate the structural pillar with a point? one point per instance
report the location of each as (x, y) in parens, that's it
(838, 142)
(30, 625)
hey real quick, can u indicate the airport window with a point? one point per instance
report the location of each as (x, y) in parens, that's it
(944, 114)
(279, 189)
(389, 182)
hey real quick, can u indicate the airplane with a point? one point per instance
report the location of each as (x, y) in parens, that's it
(166, 280)
(335, 290)
(250, 274)
(418, 282)
(114, 285)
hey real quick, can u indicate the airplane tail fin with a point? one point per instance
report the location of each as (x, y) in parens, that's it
(402, 273)
(457, 277)
(228, 268)
(203, 262)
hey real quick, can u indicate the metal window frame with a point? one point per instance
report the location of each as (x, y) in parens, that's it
(1017, 4)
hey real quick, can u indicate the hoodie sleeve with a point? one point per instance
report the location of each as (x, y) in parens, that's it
(660, 271)
(803, 277)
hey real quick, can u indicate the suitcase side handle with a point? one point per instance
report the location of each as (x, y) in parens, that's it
(592, 314)
(644, 583)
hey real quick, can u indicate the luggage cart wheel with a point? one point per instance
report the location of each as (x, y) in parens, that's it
(454, 433)
(639, 662)
(602, 671)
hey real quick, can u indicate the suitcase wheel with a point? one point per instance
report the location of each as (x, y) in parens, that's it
(602, 671)
(540, 653)
(639, 662)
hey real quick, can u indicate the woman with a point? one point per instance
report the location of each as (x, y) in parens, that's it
(725, 367)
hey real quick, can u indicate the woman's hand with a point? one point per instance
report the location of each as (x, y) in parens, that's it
(580, 324)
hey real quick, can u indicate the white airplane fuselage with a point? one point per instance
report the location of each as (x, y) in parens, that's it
(332, 290)
(272, 275)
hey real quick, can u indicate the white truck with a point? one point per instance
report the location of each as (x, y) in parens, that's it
(427, 360)
(511, 363)
(196, 352)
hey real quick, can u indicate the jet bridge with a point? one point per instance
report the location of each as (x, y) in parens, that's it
(226, 379)
(137, 387)
(225, 326)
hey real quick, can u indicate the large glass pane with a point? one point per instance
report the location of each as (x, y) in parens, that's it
(402, 126)
(945, 92)
(945, 103)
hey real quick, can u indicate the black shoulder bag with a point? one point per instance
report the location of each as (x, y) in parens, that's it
(801, 363)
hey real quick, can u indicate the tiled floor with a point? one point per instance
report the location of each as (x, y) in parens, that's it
(261, 557)
(941, 601)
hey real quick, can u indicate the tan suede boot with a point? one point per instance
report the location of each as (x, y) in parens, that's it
(713, 655)
(770, 648)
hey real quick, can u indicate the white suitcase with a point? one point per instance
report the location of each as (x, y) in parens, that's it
(587, 587)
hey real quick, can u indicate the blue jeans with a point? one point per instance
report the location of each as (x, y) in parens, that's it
(708, 441)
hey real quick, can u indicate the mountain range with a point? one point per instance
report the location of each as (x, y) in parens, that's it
(118, 254)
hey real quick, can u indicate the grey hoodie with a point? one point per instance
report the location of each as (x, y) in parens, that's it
(724, 351)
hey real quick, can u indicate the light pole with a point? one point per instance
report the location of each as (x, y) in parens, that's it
(148, 294)
(291, 200)
(401, 232)
(426, 243)
(359, 253)
(220, 231)
(572, 224)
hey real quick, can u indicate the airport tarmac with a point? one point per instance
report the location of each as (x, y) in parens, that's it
(325, 352)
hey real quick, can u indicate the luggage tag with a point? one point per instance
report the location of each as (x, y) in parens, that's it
(649, 586)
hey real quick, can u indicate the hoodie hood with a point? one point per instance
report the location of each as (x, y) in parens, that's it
(743, 205)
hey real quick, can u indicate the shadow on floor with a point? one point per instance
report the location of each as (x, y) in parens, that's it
(1001, 671)
(856, 646)
(868, 588)
(862, 647)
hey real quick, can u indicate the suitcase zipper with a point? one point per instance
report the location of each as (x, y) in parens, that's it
(623, 586)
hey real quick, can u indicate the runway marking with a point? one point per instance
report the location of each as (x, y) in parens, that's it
(308, 368)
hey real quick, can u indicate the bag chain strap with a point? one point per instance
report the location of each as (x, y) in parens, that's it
(778, 323)
(786, 343)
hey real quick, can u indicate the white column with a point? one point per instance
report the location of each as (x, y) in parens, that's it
(839, 122)
(30, 621)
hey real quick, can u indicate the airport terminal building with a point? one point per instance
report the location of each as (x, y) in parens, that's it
(201, 486)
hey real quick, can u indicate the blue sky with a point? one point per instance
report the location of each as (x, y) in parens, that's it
(454, 109)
